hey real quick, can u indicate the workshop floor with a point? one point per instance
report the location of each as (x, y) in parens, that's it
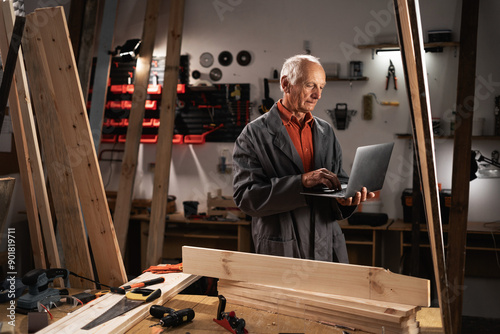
(475, 325)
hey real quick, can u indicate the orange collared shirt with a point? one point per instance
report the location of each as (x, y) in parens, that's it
(301, 135)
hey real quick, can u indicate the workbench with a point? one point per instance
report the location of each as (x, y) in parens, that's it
(257, 321)
(181, 231)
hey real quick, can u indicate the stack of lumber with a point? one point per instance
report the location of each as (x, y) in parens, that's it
(365, 298)
(73, 322)
(361, 314)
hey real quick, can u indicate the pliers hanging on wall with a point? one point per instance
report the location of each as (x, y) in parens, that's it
(391, 71)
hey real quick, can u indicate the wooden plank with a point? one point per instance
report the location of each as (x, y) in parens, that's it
(316, 276)
(297, 308)
(64, 193)
(134, 130)
(86, 49)
(412, 49)
(23, 158)
(359, 306)
(42, 198)
(75, 23)
(457, 233)
(165, 133)
(174, 283)
(6, 189)
(76, 133)
(101, 76)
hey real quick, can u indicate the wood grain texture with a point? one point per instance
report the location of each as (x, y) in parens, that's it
(134, 129)
(61, 177)
(76, 133)
(315, 276)
(412, 49)
(165, 133)
(457, 233)
(174, 283)
(23, 154)
(42, 199)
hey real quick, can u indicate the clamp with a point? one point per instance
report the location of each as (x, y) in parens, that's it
(228, 320)
(391, 71)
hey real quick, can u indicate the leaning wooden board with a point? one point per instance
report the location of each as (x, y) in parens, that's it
(315, 276)
(174, 283)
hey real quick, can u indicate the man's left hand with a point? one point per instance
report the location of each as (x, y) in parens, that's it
(360, 196)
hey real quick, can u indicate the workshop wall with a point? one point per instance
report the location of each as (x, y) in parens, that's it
(274, 30)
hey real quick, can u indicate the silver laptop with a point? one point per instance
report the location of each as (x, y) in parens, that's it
(368, 170)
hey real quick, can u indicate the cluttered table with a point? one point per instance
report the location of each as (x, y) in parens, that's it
(257, 321)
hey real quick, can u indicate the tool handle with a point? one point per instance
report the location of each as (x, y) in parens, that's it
(222, 306)
(146, 283)
(146, 295)
(395, 82)
(159, 311)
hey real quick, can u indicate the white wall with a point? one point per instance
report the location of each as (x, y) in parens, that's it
(274, 30)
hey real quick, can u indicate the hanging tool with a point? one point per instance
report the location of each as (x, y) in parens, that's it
(38, 281)
(131, 300)
(228, 320)
(341, 116)
(384, 103)
(391, 72)
(170, 317)
(122, 290)
(267, 102)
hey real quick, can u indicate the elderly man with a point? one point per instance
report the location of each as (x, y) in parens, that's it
(280, 154)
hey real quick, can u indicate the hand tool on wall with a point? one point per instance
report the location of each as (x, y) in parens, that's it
(391, 72)
(341, 116)
(228, 320)
(131, 300)
(38, 281)
(170, 317)
(267, 102)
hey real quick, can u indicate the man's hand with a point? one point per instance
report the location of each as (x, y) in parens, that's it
(360, 196)
(321, 176)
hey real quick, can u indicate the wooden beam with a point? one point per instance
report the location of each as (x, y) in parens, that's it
(35, 160)
(23, 157)
(315, 276)
(165, 134)
(6, 189)
(73, 322)
(75, 23)
(457, 234)
(76, 134)
(101, 76)
(134, 130)
(412, 49)
(61, 178)
(85, 53)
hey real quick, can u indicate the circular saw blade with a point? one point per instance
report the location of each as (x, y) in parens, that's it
(243, 58)
(225, 58)
(206, 59)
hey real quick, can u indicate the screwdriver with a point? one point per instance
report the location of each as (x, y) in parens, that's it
(170, 317)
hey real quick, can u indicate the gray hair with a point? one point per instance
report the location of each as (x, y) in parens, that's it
(292, 68)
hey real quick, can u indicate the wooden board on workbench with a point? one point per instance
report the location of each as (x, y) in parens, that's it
(316, 276)
(174, 283)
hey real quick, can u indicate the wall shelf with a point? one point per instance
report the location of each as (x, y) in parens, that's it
(429, 47)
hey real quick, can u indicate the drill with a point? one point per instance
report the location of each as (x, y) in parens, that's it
(170, 317)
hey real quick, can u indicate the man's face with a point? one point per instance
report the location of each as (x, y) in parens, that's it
(303, 96)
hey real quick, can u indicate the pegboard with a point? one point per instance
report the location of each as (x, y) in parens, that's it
(223, 108)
